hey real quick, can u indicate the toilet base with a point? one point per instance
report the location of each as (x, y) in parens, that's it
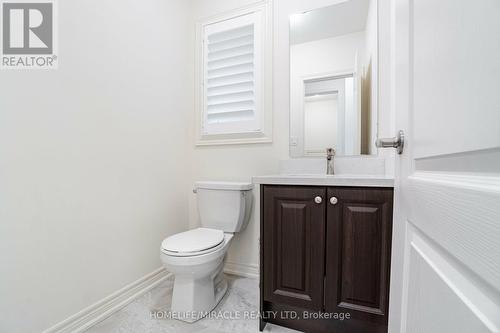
(194, 298)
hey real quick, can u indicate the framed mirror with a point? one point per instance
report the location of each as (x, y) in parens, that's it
(333, 80)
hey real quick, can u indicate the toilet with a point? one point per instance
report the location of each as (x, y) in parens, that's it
(196, 257)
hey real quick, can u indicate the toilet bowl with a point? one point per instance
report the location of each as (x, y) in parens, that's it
(196, 257)
(199, 284)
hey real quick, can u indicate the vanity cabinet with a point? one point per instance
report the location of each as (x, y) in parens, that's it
(325, 256)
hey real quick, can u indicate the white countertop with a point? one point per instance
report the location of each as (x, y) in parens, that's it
(326, 180)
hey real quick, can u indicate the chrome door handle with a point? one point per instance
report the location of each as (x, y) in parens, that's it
(334, 200)
(397, 142)
(318, 200)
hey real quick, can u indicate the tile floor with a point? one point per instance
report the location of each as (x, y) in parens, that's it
(136, 317)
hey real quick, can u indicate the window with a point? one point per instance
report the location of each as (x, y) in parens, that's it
(234, 79)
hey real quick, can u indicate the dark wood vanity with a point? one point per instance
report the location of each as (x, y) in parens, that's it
(325, 257)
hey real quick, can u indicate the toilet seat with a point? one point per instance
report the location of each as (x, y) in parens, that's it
(193, 242)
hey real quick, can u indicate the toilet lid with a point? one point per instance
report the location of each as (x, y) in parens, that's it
(193, 240)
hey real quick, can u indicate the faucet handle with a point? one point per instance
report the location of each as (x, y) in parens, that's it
(330, 152)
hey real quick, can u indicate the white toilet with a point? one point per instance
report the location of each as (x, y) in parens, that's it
(196, 257)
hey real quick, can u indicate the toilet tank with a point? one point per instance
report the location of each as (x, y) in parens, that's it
(224, 206)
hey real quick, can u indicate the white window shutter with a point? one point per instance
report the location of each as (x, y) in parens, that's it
(232, 75)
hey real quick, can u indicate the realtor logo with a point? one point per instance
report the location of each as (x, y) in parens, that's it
(28, 34)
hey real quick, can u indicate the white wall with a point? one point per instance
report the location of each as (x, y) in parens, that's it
(93, 159)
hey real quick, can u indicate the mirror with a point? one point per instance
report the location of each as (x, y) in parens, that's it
(333, 79)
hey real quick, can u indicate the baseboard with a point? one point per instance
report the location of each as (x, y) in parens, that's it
(246, 270)
(99, 311)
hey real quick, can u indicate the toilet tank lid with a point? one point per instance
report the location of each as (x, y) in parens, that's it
(216, 185)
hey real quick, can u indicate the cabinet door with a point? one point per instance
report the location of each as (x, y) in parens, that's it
(358, 247)
(293, 245)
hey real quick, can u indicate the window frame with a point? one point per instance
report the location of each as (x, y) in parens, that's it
(260, 129)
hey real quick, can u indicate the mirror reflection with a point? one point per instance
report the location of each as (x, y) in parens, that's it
(333, 79)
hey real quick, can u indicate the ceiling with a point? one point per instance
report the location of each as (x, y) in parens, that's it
(336, 20)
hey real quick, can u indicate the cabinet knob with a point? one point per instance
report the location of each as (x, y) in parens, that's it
(318, 200)
(334, 200)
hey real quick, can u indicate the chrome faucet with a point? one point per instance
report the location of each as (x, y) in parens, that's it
(330, 153)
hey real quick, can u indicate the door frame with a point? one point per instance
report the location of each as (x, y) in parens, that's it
(400, 95)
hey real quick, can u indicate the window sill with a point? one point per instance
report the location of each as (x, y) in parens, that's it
(218, 141)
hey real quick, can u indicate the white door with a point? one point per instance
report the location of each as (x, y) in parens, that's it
(446, 93)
